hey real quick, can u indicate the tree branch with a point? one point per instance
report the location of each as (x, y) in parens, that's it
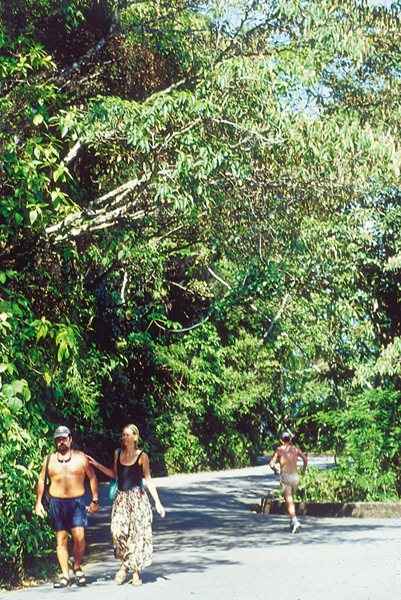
(124, 285)
(251, 132)
(184, 329)
(72, 153)
(97, 212)
(64, 76)
(277, 316)
(219, 278)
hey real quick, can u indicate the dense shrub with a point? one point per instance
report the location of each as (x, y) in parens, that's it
(23, 536)
(368, 467)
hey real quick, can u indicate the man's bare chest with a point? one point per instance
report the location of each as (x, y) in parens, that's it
(72, 468)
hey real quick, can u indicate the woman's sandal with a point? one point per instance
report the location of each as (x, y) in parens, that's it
(61, 582)
(121, 575)
(136, 580)
(80, 577)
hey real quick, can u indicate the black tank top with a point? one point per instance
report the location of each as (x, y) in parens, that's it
(129, 476)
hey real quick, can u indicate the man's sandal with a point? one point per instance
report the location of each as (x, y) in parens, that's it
(80, 577)
(61, 582)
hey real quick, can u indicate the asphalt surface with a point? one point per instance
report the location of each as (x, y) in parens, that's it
(211, 546)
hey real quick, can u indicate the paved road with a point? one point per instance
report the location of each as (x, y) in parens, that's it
(211, 547)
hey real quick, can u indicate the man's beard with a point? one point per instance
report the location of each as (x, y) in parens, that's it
(63, 449)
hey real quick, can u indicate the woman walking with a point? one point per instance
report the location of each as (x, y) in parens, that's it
(131, 515)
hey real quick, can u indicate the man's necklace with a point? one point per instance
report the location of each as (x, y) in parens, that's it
(61, 460)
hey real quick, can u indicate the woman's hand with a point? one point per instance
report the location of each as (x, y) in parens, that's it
(160, 509)
(92, 461)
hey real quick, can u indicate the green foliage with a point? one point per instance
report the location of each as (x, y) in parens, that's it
(184, 451)
(348, 483)
(39, 363)
(368, 467)
(22, 443)
(217, 394)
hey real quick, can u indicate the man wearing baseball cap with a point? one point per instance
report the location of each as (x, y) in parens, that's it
(66, 471)
(287, 456)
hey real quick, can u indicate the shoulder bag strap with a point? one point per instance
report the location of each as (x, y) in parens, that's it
(118, 460)
(47, 481)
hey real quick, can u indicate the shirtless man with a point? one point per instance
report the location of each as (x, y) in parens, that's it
(287, 456)
(67, 470)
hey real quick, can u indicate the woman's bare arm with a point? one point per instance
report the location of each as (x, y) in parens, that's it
(109, 472)
(144, 462)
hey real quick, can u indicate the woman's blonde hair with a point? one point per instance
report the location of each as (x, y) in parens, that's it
(134, 430)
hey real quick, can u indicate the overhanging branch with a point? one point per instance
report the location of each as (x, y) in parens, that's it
(183, 329)
(73, 153)
(102, 213)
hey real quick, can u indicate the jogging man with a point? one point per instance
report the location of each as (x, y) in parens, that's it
(67, 470)
(287, 456)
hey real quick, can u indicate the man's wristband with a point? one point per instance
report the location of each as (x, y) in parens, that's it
(95, 501)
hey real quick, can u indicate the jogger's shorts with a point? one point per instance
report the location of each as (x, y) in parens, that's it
(289, 482)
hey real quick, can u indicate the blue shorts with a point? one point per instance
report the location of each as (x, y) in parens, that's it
(67, 513)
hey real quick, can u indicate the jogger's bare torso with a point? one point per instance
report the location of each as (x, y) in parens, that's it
(287, 456)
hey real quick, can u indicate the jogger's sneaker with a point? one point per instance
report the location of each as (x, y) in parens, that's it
(296, 525)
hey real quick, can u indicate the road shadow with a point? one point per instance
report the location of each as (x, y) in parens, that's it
(207, 522)
(210, 517)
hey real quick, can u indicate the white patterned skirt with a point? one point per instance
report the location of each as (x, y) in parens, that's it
(131, 529)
